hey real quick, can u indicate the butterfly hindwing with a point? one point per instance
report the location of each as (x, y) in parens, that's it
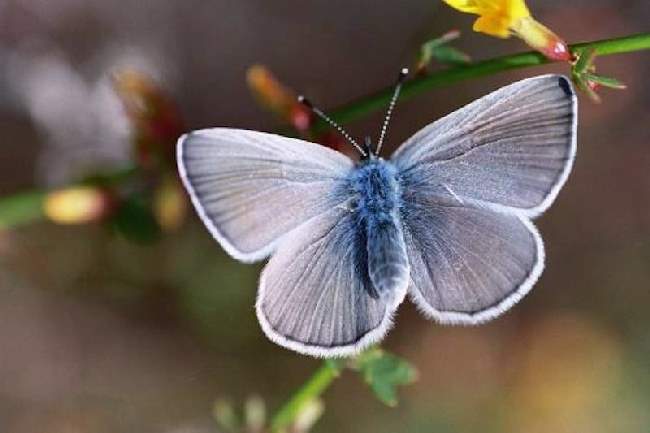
(315, 294)
(251, 188)
(469, 264)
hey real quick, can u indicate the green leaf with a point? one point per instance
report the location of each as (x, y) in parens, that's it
(384, 372)
(583, 74)
(449, 55)
(135, 221)
(583, 85)
(604, 81)
(585, 60)
(439, 49)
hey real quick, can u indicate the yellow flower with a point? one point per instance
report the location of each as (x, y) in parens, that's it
(76, 205)
(503, 18)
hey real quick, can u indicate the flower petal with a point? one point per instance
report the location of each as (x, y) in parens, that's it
(469, 6)
(517, 9)
(493, 25)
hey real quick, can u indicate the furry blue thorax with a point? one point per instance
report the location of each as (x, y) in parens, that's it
(377, 203)
(377, 189)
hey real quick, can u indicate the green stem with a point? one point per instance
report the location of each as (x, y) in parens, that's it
(310, 390)
(22, 208)
(26, 207)
(376, 101)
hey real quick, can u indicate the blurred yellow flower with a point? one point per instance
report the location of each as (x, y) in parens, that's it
(503, 18)
(169, 203)
(76, 205)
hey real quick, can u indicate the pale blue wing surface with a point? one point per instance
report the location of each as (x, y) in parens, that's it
(511, 150)
(315, 295)
(251, 188)
(469, 264)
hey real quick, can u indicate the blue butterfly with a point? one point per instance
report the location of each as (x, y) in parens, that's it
(446, 220)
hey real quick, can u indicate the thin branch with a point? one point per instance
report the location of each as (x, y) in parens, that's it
(22, 208)
(309, 391)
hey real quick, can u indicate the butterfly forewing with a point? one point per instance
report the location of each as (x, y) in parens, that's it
(511, 149)
(251, 188)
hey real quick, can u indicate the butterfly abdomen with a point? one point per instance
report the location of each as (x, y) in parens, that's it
(376, 189)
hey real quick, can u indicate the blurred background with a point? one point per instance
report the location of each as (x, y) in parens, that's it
(109, 327)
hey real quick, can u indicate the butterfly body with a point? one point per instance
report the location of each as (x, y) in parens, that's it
(377, 204)
(446, 220)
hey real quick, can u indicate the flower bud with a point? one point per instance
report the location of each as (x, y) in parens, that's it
(541, 38)
(277, 98)
(77, 205)
(156, 121)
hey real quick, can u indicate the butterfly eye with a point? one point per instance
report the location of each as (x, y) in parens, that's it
(351, 205)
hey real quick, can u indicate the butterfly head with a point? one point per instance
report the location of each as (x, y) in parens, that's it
(368, 147)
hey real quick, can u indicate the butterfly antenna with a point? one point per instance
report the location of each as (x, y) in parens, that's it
(398, 88)
(331, 122)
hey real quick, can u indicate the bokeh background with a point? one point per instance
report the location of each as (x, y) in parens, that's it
(102, 334)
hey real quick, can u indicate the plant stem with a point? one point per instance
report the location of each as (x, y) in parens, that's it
(310, 390)
(26, 207)
(22, 208)
(376, 101)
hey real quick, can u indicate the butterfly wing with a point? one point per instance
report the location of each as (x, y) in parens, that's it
(470, 182)
(251, 188)
(510, 150)
(469, 264)
(315, 296)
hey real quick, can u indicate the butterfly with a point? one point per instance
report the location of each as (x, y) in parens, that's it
(445, 220)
